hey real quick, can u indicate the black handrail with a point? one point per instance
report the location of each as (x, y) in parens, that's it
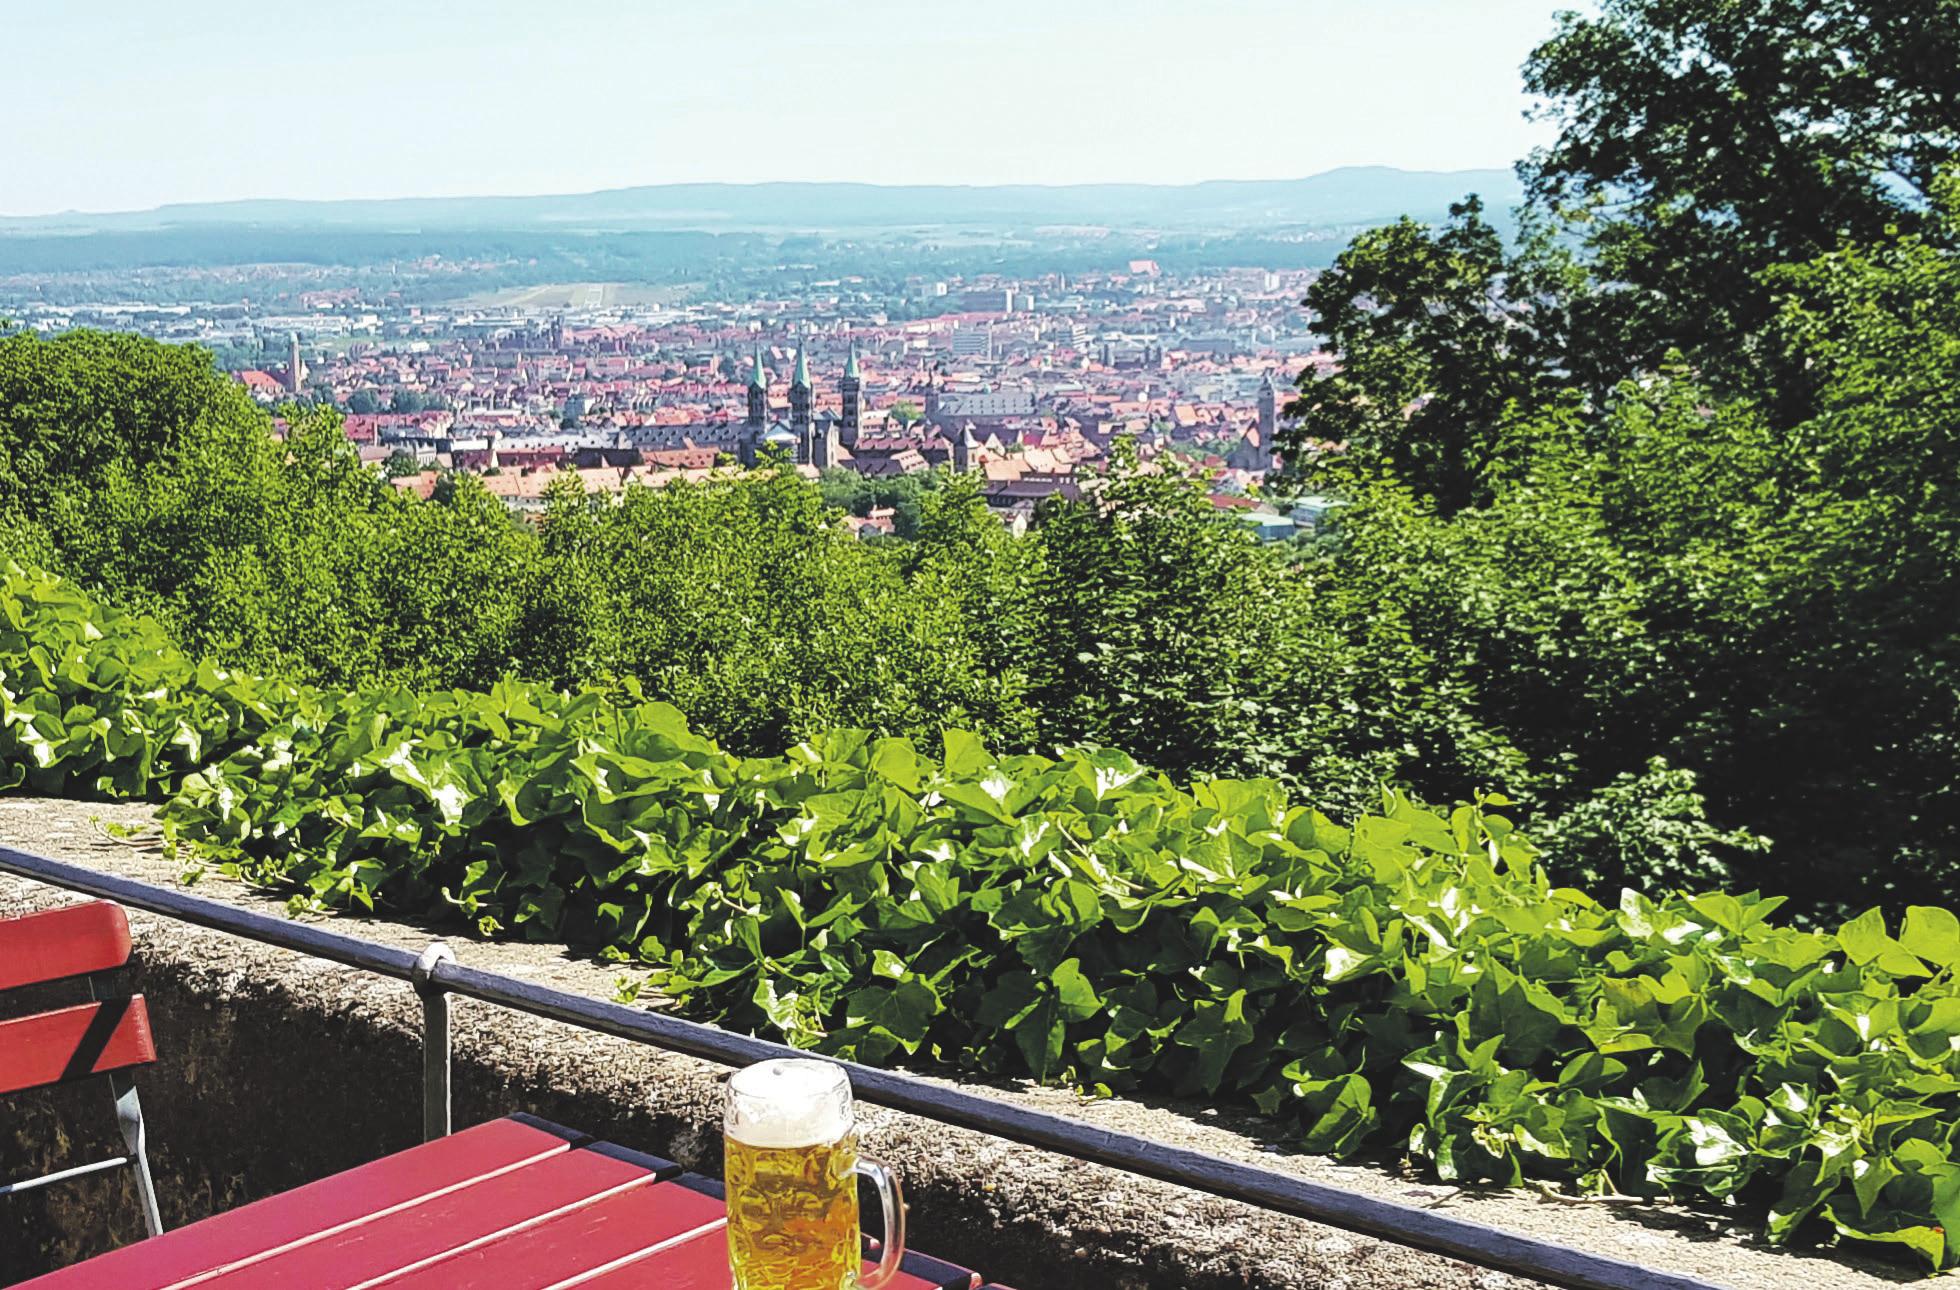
(1285, 1193)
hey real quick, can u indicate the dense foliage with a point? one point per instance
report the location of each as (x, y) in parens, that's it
(1656, 623)
(744, 604)
(903, 495)
(1702, 142)
(1665, 486)
(1139, 621)
(1414, 981)
(155, 478)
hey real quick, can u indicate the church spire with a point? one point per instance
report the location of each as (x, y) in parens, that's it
(850, 393)
(799, 403)
(758, 408)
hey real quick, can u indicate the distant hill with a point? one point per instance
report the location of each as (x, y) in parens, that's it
(1348, 196)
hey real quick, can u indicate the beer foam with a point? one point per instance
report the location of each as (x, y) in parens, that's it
(789, 1103)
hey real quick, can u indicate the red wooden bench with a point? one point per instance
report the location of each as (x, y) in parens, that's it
(106, 1037)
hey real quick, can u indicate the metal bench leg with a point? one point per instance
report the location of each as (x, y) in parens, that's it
(129, 1116)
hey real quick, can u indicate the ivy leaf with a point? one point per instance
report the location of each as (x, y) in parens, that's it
(1932, 934)
(1217, 1030)
(901, 1014)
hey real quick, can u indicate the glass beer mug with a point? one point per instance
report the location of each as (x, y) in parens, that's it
(792, 1165)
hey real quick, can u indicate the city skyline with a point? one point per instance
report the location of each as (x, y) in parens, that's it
(211, 102)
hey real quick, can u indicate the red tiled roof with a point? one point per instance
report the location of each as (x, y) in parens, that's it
(422, 485)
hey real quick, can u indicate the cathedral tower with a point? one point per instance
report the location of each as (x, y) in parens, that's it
(1268, 412)
(758, 395)
(852, 390)
(799, 394)
(799, 408)
(758, 418)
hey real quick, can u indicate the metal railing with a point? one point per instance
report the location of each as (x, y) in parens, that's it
(435, 975)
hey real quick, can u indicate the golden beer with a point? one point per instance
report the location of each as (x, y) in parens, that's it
(791, 1169)
(793, 1215)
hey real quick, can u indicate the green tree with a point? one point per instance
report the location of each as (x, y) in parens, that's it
(1576, 625)
(1154, 623)
(1441, 333)
(79, 405)
(1645, 495)
(415, 401)
(744, 604)
(151, 476)
(859, 495)
(1852, 736)
(401, 464)
(1702, 141)
(1673, 622)
(846, 490)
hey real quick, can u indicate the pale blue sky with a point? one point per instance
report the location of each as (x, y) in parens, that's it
(126, 104)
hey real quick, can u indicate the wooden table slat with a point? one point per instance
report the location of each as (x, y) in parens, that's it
(194, 1254)
(924, 1270)
(570, 1249)
(494, 1208)
(699, 1264)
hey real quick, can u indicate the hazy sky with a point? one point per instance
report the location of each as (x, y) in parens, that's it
(125, 104)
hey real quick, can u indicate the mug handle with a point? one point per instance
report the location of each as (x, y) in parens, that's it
(892, 1200)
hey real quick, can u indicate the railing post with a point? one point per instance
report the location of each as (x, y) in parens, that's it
(435, 1042)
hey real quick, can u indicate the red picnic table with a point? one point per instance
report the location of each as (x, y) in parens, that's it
(514, 1204)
